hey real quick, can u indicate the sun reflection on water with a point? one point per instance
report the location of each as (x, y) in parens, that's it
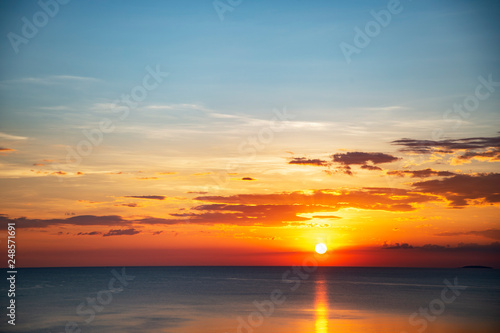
(321, 306)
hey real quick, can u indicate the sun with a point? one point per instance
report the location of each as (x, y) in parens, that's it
(320, 248)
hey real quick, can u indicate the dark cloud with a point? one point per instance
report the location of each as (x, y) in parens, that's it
(345, 169)
(307, 161)
(366, 160)
(81, 220)
(461, 247)
(122, 232)
(493, 155)
(152, 197)
(490, 233)
(3, 149)
(132, 205)
(345, 160)
(92, 233)
(450, 145)
(420, 173)
(371, 167)
(404, 246)
(461, 189)
(362, 158)
(247, 178)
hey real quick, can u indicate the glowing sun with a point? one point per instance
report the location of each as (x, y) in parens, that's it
(320, 248)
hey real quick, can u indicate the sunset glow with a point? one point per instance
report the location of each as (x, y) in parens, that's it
(202, 142)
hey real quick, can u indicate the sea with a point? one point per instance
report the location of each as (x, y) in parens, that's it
(253, 299)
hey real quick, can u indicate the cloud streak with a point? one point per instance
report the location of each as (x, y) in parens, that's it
(490, 233)
(151, 197)
(307, 161)
(420, 173)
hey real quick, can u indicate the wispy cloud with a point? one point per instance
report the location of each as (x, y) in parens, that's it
(420, 173)
(182, 106)
(490, 233)
(53, 79)
(383, 108)
(308, 161)
(12, 137)
(122, 232)
(152, 197)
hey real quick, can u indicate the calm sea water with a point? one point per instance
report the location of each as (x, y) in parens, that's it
(254, 299)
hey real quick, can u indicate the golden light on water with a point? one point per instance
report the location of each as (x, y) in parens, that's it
(321, 307)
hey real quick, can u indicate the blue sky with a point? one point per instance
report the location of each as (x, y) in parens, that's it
(263, 54)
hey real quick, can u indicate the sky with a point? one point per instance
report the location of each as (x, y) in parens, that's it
(245, 132)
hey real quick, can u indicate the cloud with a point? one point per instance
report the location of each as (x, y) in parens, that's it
(420, 173)
(404, 246)
(247, 178)
(11, 137)
(176, 107)
(291, 207)
(92, 233)
(132, 205)
(6, 150)
(375, 198)
(482, 148)
(54, 79)
(490, 233)
(253, 209)
(152, 197)
(362, 158)
(383, 108)
(489, 155)
(371, 167)
(461, 247)
(345, 160)
(122, 232)
(306, 161)
(81, 220)
(462, 189)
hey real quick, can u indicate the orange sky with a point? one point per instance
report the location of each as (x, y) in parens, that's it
(392, 214)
